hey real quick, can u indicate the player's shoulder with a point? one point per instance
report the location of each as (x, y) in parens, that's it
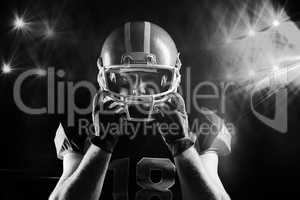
(70, 139)
(212, 132)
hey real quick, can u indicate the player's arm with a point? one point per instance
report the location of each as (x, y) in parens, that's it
(194, 179)
(210, 160)
(71, 160)
(197, 182)
(217, 142)
(83, 178)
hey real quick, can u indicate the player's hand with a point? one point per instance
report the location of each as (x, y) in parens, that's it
(173, 124)
(106, 113)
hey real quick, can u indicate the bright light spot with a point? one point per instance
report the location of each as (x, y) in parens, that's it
(228, 76)
(275, 68)
(251, 73)
(276, 23)
(41, 72)
(6, 68)
(20, 23)
(228, 40)
(49, 31)
(251, 33)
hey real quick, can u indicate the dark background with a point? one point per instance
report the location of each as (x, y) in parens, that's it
(264, 164)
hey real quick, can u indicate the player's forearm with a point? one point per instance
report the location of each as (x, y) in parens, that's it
(210, 160)
(194, 179)
(87, 180)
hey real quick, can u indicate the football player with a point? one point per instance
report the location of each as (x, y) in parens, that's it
(139, 75)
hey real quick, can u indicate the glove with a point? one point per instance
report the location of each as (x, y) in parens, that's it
(106, 112)
(173, 124)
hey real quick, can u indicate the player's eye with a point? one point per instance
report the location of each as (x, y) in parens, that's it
(163, 82)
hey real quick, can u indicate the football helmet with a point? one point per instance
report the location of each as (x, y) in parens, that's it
(138, 67)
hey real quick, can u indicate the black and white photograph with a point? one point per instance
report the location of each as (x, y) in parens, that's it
(149, 100)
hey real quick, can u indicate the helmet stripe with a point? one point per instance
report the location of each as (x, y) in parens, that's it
(147, 37)
(127, 37)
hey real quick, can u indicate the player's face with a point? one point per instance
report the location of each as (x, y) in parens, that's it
(139, 81)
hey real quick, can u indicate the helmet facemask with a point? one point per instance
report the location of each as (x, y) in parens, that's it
(139, 83)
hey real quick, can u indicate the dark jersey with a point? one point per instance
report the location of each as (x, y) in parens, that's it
(141, 165)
